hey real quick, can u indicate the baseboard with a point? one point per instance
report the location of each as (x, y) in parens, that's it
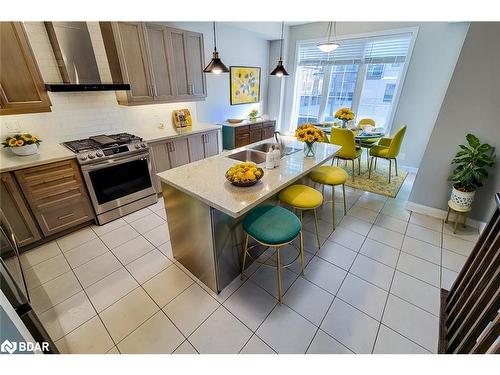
(441, 214)
(410, 169)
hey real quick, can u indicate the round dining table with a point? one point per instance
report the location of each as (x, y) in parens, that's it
(359, 136)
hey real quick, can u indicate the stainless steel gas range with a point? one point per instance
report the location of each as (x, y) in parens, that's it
(117, 171)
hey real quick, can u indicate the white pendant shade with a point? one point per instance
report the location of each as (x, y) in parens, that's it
(328, 46)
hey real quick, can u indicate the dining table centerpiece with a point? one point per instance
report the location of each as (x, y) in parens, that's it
(22, 144)
(344, 115)
(309, 134)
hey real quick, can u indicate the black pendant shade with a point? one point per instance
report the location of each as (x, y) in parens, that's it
(280, 70)
(216, 65)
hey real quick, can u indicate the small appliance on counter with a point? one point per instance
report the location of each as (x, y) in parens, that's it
(117, 172)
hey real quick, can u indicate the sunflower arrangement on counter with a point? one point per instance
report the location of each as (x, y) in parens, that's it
(244, 174)
(308, 133)
(21, 139)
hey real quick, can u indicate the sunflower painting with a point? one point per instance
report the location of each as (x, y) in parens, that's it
(245, 84)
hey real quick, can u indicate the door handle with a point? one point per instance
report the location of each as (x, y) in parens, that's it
(155, 90)
(65, 216)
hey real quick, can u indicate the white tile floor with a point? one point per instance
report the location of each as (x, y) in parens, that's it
(373, 287)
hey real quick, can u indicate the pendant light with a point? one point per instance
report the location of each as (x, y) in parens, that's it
(215, 66)
(330, 45)
(280, 71)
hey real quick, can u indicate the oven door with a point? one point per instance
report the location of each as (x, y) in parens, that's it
(116, 182)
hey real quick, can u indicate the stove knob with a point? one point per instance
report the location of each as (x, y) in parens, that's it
(137, 146)
(91, 156)
(99, 154)
(143, 145)
(82, 157)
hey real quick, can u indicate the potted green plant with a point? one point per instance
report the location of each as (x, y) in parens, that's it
(470, 163)
(253, 115)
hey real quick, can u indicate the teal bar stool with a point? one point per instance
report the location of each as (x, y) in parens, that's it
(273, 226)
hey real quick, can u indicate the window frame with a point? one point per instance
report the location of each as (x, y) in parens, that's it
(361, 73)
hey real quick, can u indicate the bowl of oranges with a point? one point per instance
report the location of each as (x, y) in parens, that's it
(244, 174)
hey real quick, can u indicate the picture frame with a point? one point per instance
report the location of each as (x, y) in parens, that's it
(244, 84)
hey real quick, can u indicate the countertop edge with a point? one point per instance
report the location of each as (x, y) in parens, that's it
(33, 163)
(250, 206)
(151, 137)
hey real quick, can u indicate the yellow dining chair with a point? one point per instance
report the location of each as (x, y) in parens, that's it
(367, 143)
(349, 151)
(387, 148)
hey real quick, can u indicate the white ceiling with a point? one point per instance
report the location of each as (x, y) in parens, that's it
(267, 30)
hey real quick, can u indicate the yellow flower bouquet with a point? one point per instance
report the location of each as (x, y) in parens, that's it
(344, 114)
(22, 144)
(309, 134)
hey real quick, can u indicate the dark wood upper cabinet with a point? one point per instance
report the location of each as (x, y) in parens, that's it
(21, 85)
(160, 63)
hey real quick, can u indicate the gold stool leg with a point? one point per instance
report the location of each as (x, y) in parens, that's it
(278, 269)
(345, 204)
(245, 247)
(317, 227)
(447, 215)
(333, 206)
(302, 261)
(457, 218)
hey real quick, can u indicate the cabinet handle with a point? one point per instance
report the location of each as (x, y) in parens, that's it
(65, 216)
(155, 90)
(190, 88)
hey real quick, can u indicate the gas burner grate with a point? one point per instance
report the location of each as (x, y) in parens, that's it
(90, 144)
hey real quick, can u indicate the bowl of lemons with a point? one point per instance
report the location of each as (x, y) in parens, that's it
(244, 174)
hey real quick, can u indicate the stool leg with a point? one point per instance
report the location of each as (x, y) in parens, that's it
(370, 168)
(333, 206)
(457, 218)
(353, 171)
(396, 165)
(465, 220)
(375, 167)
(323, 193)
(359, 166)
(367, 158)
(447, 215)
(245, 247)
(302, 261)
(345, 204)
(317, 227)
(278, 269)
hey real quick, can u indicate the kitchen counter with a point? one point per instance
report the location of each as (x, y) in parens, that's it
(205, 212)
(157, 134)
(245, 122)
(205, 179)
(47, 153)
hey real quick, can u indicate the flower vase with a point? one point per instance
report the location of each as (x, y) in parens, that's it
(309, 149)
(344, 124)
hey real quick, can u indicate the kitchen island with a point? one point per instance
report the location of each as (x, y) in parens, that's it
(205, 211)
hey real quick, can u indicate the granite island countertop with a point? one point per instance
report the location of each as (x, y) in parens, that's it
(206, 181)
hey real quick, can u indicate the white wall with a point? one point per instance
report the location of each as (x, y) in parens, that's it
(471, 105)
(434, 57)
(78, 115)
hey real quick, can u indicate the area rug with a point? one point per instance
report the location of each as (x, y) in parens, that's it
(379, 181)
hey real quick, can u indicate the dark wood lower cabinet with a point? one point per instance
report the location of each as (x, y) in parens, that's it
(239, 136)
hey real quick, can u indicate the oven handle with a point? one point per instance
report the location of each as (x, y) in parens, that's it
(110, 162)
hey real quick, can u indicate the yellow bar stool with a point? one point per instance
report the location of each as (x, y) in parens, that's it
(273, 226)
(302, 198)
(333, 176)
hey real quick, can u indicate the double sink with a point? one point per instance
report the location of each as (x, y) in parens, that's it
(257, 154)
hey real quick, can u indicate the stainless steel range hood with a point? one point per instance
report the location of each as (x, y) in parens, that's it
(76, 60)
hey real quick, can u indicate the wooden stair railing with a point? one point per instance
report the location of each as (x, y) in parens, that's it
(469, 316)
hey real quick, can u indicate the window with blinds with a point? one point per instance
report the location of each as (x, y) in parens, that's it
(363, 74)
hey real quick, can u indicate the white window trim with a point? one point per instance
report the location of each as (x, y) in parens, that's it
(411, 30)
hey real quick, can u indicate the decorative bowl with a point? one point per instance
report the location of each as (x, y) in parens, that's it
(25, 150)
(234, 120)
(246, 184)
